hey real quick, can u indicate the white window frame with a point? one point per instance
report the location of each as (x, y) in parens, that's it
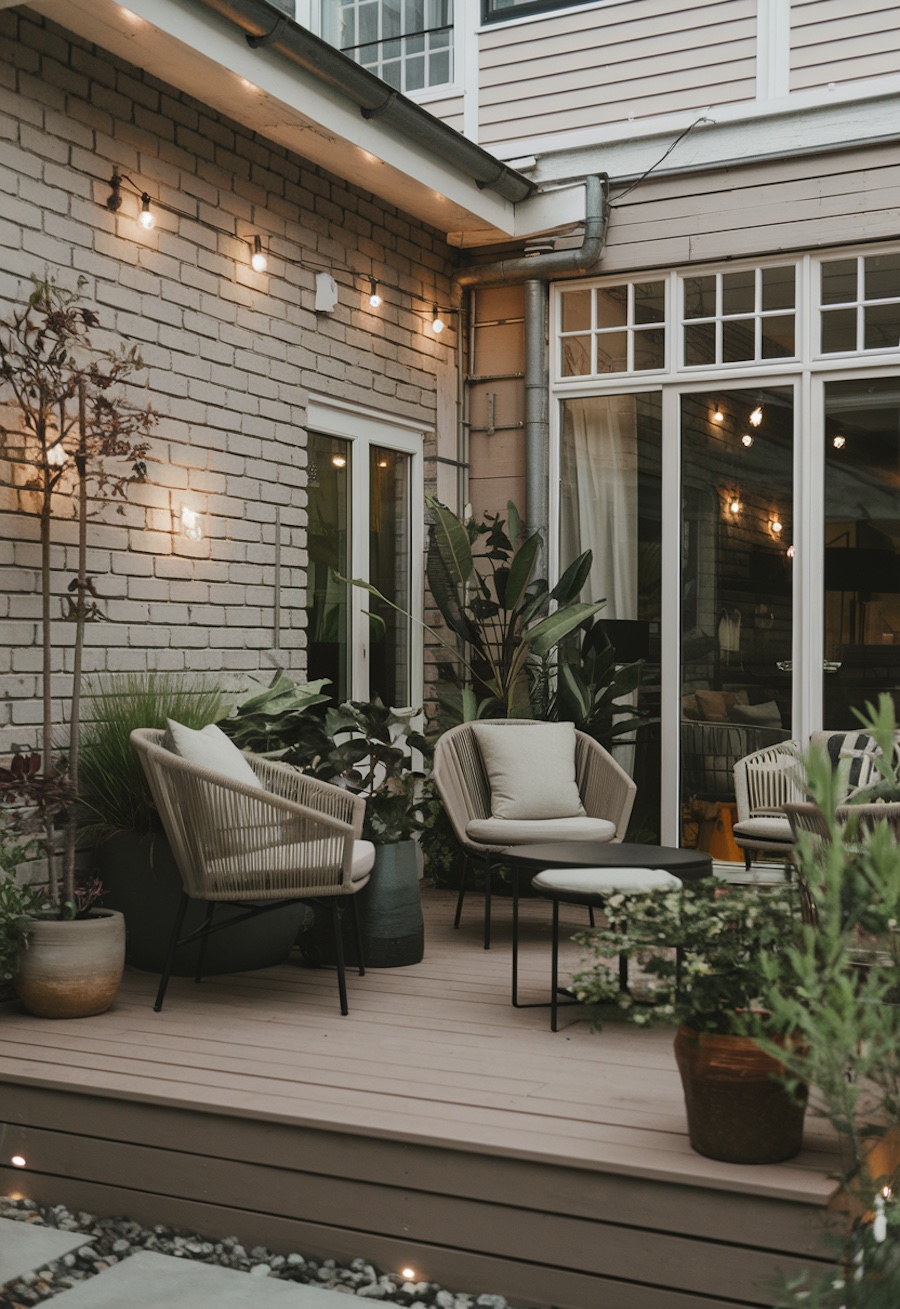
(807, 373)
(312, 11)
(363, 428)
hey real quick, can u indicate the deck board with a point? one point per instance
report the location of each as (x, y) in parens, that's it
(435, 1116)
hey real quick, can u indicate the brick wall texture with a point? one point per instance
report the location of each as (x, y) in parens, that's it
(231, 356)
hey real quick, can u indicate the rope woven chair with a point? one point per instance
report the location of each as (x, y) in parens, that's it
(296, 840)
(607, 793)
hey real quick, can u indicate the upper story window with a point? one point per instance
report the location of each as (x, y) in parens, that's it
(495, 11)
(740, 317)
(407, 43)
(860, 299)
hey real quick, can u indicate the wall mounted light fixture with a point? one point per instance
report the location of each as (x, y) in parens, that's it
(191, 524)
(374, 297)
(437, 323)
(718, 416)
(258, 259)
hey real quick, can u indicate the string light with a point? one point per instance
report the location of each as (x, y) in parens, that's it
(258, 258)
(437, 323)
(734, 505)
(756, 416)
(747, 440)
(776, 526)
(839, 442)
(718, 416)
(339, 461)
(18, 1161)
(374, 297)
(145, 218)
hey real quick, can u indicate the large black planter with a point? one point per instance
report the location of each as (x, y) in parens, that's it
(390, 915)
(142, 881)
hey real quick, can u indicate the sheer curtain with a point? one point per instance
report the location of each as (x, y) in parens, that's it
(599, 509)
(599, 497)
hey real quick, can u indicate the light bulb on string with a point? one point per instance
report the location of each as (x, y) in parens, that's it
(718, 416)
(374, 297)
(756, 416)
(747, 440)
(145, 217)
(437, 323)
(258, 258)
(839, 442)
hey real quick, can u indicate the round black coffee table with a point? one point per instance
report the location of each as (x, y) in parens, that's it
(689, 865)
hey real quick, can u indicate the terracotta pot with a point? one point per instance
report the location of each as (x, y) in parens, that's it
(736, 1109)
(72, 968)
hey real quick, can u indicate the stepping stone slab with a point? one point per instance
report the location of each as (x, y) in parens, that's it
(25, 1247)
(158, 1281)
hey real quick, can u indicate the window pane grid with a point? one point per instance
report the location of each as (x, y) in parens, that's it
(859, 304)
(616, 329)
(404, 42)
(725, 316)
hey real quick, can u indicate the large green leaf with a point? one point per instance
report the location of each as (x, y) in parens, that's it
(452, 540)
(552, 629)
(521, 569)
(571, 584)
(514, 521)
(573, 693)
(445, 592)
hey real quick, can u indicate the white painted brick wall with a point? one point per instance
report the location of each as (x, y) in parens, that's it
(231, 355)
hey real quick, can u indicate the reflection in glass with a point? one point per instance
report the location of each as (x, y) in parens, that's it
(736, 599)
(738, 340)
(838, 330)
(882, 327)
(612, 306)
(612, 352)
(649, 302)
(882, 277)
(699, 297)
(778, 288)
(739, 292)
(576, 311)
(839, 281)
(862, 546)
(389, 571)
(328, 539)
(778, 336)
(610, 503)
(576, 356)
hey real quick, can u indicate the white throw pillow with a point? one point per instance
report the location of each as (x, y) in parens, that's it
(211, 748)
(531, 769)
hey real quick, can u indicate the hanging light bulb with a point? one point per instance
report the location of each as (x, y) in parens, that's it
(374, 297)
(339, 461)
(718, 416)
(56, 455)
(756, 416)
(145, 218)
(437, 323)
(258, 258)
(777, 526)
(747, 440)
(839, 442)
(734, 506)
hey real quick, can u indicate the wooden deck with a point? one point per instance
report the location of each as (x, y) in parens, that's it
(435, 1127)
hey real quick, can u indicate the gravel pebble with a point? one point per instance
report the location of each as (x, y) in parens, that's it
(109, 1240)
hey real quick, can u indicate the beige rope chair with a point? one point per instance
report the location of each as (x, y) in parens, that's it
(607, 794)
(297, 840)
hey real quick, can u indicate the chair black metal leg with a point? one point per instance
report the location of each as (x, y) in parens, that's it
(487, 902)
(170, 953)
(748, 860)
(554, 967)
(339, 955)
(201, 953)
(357, 936)
(462, 891)
(515, 938)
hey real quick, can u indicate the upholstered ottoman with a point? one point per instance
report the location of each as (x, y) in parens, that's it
(593, 887)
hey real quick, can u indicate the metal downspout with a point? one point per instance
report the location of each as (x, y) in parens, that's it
(536, 272)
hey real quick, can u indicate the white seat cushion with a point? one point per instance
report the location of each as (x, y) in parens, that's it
(604, 881)
(530, 768)
(768, 829)
(289, 857)
(522, 831)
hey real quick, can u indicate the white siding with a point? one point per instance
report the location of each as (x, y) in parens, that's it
(794, 204)
(640, 58)
(842, 41)
(449, 110)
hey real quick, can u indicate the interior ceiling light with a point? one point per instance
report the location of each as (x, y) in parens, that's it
(756, 416)
(437, 323)
(747, 440)
(258, 258)
(374, 297)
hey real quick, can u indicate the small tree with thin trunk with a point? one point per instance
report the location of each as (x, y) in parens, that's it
(67, 423)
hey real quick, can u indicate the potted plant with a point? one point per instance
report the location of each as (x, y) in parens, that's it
(134, 859)
(701, 948)
(17, 902)
(74, 439)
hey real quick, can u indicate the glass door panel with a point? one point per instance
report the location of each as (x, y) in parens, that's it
(611, 504)
(389, 571)
(737, 597)
(328, 486)
(862, 546)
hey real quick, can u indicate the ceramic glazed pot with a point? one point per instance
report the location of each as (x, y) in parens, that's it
(390, 915)
(72, 968)
(736, 1110)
